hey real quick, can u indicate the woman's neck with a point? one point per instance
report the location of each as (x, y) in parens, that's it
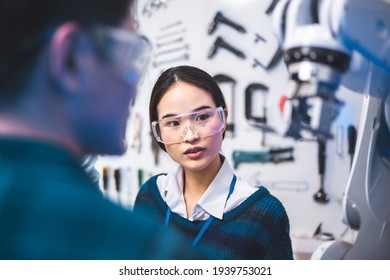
(197, 182)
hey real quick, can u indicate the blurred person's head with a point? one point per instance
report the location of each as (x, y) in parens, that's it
(63, 76)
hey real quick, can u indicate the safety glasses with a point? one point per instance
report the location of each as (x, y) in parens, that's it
(203, 123)
(127, 50)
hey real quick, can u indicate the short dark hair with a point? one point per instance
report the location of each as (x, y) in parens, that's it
(188, 74)
(24, 24)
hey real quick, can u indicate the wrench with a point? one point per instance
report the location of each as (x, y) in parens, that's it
(184, 47)
(180, 39)
(185, 56)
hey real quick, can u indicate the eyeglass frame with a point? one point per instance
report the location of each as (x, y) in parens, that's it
(220, 110)
(108, 38)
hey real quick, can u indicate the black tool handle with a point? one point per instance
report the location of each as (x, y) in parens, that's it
(351, 139)
(321, 155)
(229, 22)
(321, 196)
(117, 176)
(222, 43)
(274, 151)
(105, 178)
(271, 7)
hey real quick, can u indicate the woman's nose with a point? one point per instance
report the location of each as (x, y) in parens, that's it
(190, 135)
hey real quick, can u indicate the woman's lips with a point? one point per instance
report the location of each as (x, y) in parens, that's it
(194, 152)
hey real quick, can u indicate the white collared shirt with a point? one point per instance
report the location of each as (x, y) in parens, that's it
(213, 202)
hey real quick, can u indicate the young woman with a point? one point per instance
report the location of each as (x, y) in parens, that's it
(203, 197)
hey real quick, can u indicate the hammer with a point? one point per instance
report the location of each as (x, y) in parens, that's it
(219, 42)
(220, 18)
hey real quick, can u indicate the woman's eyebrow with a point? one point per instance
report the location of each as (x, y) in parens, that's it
(195, 110)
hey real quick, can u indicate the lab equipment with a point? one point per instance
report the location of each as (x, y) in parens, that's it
(328, 43)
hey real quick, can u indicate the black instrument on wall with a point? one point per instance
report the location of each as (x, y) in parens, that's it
(256, 117)
(225, 79)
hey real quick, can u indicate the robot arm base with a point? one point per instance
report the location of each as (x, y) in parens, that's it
(331, 250)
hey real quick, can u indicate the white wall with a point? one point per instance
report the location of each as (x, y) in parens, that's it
(294, 183)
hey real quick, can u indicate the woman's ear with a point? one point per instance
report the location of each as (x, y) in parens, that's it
(67, 45)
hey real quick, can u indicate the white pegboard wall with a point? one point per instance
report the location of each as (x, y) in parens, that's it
(295, 182)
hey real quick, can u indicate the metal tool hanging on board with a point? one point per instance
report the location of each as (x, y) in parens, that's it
(270, 53)
(278, 54)
(230, 98)
(219, 18)
(221, 43)
(250, 90)
(153, 5)
(352, 134)
(171, 45)
(273, 155)
(257, 119)
(136, 126)
(271, 7)
(321, 196)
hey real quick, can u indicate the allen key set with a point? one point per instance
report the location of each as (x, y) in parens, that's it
(171, 45)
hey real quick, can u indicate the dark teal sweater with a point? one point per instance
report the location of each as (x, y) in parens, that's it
(256, 229)
(50, 209)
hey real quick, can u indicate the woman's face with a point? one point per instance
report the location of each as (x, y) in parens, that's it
(194, 152)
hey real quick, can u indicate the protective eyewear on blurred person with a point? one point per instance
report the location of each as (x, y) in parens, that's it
(127, 50)
(203, 123)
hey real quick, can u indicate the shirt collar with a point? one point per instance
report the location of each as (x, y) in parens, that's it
(171, 187)
(214, 199)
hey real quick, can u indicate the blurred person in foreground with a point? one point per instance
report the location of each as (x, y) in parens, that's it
(69, 71)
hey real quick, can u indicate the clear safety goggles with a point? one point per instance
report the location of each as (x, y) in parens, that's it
(127, 50)
(203, 123)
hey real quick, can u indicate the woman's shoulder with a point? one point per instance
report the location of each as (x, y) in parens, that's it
(262, 201)
(263, 194)
(151, 182)
(148, 193)
(148, 189)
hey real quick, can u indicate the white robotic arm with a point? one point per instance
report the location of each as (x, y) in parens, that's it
(319, 38)
(331, 42)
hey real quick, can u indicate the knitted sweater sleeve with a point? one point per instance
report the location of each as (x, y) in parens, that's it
(279, 246)
(146, 200)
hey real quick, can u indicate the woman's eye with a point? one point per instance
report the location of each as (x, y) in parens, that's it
(173, 123)
(202, 117)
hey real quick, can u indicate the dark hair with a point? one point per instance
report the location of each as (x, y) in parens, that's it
(188, 74)
(24, 24)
